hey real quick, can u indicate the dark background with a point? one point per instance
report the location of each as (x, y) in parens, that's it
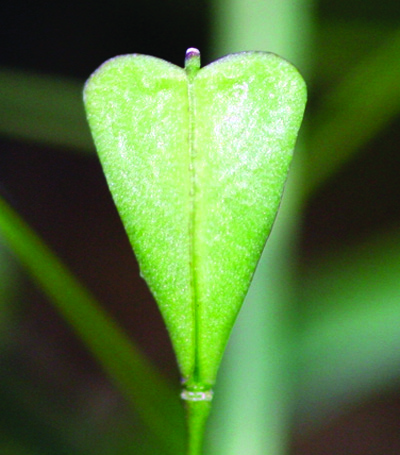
(63, 195)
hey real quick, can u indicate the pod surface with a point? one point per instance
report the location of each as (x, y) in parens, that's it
(196, 161)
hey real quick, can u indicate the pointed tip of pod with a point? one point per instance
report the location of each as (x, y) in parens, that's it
(192, 60)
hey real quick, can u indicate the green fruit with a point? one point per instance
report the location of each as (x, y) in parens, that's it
(196, 161)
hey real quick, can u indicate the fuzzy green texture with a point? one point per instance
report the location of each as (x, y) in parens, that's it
(196, 161)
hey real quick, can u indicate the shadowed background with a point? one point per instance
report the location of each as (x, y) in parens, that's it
(320, 327)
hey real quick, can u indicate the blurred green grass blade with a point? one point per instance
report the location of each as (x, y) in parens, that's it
(253, 391)
(350, 336)
(44, 109)
(282, 27)
(354, 112)
(346, 41)
(151, 396)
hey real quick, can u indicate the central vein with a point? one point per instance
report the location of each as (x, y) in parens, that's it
(192, 66)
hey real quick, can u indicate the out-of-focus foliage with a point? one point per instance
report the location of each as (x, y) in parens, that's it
(117, 354)
(321, 320)
(44, 109)
(363, 103)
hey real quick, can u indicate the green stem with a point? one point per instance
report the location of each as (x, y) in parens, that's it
(192, 62)
(198, 405)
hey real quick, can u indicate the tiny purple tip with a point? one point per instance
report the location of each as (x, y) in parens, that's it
(192, 52)
(192, 61)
